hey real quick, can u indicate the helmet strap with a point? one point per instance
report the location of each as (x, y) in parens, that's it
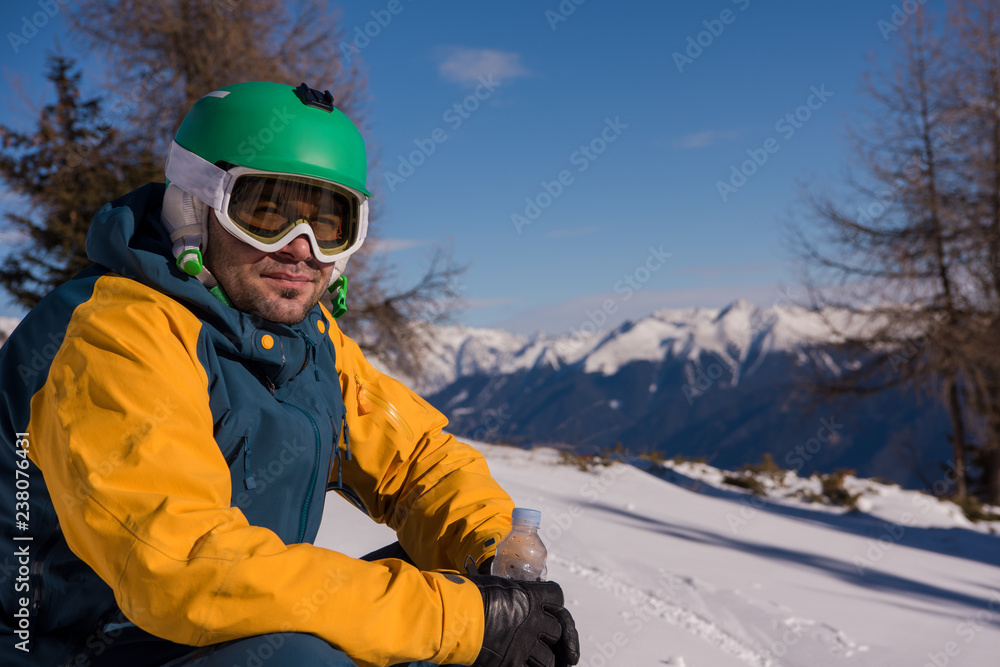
(185, 218)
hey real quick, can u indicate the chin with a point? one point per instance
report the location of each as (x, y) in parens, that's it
(289, 316)
(284, 307)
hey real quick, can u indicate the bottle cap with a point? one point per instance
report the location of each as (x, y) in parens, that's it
(525, 515)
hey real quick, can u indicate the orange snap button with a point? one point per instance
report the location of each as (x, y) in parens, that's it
(266, 342)
(321, 325)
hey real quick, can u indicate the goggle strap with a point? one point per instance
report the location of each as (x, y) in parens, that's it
(196, 175)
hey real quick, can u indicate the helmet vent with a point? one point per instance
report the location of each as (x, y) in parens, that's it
(313, 98)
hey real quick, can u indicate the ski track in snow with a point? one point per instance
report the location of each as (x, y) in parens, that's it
(831, 638)
(806, 632)
(672, 613)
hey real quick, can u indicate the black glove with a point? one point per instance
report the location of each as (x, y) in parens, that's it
(526, 625)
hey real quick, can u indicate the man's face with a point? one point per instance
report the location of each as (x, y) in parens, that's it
(280, 286)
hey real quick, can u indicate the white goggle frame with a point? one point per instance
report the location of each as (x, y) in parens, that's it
(214, 186)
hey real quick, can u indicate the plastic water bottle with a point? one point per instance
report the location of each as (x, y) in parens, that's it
(521, 555)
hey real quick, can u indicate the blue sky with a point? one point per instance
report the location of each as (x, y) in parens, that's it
(579, 174)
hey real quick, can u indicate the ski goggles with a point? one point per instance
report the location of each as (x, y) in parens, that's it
(269, 210)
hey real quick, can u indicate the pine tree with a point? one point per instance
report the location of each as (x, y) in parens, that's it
(62, 173)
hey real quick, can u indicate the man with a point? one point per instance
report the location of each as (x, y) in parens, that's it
(174, 414)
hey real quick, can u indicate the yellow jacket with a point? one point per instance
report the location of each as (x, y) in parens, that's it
(124, 431)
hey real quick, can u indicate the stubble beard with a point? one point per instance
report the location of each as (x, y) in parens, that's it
(245, 285)
(285, 308)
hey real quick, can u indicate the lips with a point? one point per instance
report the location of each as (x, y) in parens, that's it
(290, 277)
(286, 279)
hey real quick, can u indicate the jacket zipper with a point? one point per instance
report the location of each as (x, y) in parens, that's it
(303, 517)
(364, 407)
(310, 354)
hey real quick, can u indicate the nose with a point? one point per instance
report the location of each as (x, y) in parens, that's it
(298, 249)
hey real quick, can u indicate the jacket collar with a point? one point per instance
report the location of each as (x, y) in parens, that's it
(126, 237)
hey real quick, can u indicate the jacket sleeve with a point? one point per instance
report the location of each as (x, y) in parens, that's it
(434, 491)
(123, 435)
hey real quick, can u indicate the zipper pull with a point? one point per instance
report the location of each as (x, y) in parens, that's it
(336, 453)
(347, 439)
(340, 469)
(335, 457)
(312, 354)
(345, 429)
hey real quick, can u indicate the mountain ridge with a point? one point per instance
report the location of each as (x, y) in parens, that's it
(727, 384)
(689, 330)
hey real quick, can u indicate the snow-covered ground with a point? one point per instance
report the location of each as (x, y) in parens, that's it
(676, 568)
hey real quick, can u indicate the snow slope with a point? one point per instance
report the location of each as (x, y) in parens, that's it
(676, 568)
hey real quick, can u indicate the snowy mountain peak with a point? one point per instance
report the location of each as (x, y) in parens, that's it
(735, 334)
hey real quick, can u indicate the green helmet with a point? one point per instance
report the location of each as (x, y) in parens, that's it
(278, 128)
(277, 132)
